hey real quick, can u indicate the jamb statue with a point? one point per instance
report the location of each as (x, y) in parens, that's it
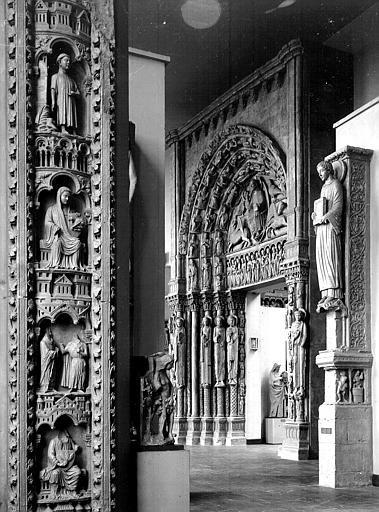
(205, 350)
(327, 220)
(232, 349)
(219, 351)
(180, 352)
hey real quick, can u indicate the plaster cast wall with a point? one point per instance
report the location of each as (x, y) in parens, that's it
(366, 74)
(147, 111)
(361, 129)
(266, 324)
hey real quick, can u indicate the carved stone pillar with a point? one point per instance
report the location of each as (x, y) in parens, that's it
(206, 436)
(219, 434)
(193, 431)
(345, 417)
(295, 445)
(236, 383)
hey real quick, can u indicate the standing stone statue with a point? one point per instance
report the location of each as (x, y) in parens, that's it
(205, 350)
(62, 231)
(297, 348)
(327, 220)
(61, 471)
(74, 371)
(277, 392)
(219, 351)
(49, 357)
(63, 96)
(158, 401)
(232, 349)
(180, 352)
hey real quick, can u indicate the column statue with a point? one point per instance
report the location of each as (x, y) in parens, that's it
(297, 348)
(180, 352)
(63, 95)
(232, 349)
(219, 351)
(205, 350)
(49, 357)
(62, 230)
(74, 371)
(61, 471)
(327, 220)
(277, 392)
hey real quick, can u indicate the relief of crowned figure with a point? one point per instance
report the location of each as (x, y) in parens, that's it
(63, 227)
(63, 96)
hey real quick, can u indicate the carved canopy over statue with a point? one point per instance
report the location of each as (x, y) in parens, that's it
(327, 220)
(63, 227)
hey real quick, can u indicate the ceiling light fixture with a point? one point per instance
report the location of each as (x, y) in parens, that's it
(201, 14)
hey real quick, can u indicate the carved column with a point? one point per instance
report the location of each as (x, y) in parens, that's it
(345, 418)
(236, 384)
(295, 445)
(193, 431)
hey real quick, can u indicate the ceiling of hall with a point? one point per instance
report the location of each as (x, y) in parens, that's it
(241, 36)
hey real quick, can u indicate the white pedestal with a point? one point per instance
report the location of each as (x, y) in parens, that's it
(163, 481)
(275, 431)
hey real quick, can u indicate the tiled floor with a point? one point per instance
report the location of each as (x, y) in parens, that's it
(254, 479)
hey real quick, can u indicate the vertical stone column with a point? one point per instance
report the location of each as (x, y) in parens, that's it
(219, 433)
(236, 421)
(295, 445)
(206, 436)
(345, 417)
(193, 431)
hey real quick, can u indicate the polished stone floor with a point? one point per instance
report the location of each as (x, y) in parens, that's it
(254, 479)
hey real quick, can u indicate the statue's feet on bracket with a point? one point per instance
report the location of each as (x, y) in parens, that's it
(329, 303)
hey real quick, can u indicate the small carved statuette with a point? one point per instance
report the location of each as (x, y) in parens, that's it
(63, 96)
(277, 392)
(297, 348)
(342, 387)
(61, 472)
(74, 365)
(49, 358)
(62, 230)
(327, 220)
(157, 401)
(358, 386)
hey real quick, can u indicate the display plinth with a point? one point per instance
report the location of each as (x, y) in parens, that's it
(235, 431)
(345, 444)
(275, 431)
(193, 432)
(163, 481)
(206, 435)
(296, 441)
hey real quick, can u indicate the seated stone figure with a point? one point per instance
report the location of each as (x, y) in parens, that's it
(62, 230)
(61, 472)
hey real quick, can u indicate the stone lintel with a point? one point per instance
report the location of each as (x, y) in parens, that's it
(334, 359)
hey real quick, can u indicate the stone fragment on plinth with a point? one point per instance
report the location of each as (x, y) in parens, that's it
(345, 445)
(295, 445)
(193, 431)
(163, 479)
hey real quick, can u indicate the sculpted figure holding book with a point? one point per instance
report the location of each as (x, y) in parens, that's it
(327, 220)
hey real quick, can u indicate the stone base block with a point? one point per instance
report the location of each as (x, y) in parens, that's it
(163, 481)
(295, 445)
(345, 445)
(219, 434)
(193, 431)
(206, 434)
(180, 430)
(275, 430)
(235, 431)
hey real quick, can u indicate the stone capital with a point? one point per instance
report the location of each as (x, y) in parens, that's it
(334, 359)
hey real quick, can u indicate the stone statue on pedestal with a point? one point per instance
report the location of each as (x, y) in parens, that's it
(49, 357)
(61, 472)
(277, 392)
(232, 349)
(62, 230)
(63, 96)
(219, 351)
(180, 352)
(74, 369)
(157, 401)
(205, 350)
(327, 220)
(297, 348)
